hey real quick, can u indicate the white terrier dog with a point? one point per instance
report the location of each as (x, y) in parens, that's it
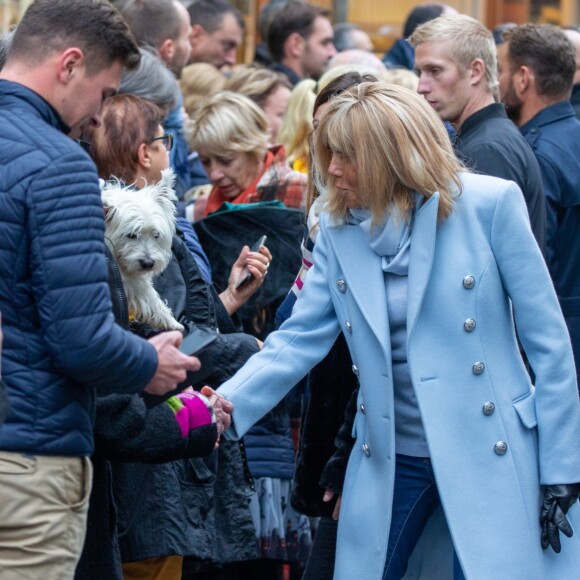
(140, 225)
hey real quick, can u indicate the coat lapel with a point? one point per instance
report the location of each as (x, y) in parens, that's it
(422, 252)
(363, 275)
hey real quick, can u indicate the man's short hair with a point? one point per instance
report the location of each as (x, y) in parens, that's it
(151, 80)
(547, 51)
(419, 15)
(343, 39)
(209, 14)
(151, 21)
(267, 13)
(294, 17)
(94, 26)
(468, 39)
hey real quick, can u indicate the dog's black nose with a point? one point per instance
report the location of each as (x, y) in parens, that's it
(147, 264)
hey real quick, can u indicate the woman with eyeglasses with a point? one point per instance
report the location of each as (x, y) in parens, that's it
(159, 506)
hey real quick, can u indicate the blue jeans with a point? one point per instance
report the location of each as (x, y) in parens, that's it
(320, 565)
(414, 501)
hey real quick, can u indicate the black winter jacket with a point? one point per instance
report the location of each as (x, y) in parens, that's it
(193, 507)
(320, 464)
(126, 429)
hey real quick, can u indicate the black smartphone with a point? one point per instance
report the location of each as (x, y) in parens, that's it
(195, 344)
(196, 341)
(246, 276)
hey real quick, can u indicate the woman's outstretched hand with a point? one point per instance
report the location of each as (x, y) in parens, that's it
(222, 409)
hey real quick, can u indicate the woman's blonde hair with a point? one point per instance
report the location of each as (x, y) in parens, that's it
(230, 122)
(297, 123)
(398, 145)
(198, 82)
(402, 77)
(256, 83)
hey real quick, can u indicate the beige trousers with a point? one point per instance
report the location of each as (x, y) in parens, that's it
(43, 512)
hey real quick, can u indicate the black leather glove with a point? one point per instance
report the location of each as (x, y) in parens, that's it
(558, 499)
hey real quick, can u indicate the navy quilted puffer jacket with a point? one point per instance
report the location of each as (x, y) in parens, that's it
(61, 342)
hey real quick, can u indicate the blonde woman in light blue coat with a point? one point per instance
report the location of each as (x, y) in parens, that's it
(427, 270)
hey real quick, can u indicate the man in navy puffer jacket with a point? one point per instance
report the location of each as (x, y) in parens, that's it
(61, 343)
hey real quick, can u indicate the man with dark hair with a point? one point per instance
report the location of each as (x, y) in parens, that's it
(349, 36)
(60, 340)
(401, 54)
(300, 41)
(161, 24)
(455, 57)
(217, 29)
(537, 66)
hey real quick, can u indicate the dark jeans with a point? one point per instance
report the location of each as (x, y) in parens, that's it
(320, 565)
(415, 499)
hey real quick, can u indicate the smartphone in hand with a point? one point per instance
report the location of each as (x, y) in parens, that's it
(246, 276)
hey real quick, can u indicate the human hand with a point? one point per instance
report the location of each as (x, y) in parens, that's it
(222, 409)
(172, 365)
(558, 499)
(257, 264)
(192, 410)
(328, 495)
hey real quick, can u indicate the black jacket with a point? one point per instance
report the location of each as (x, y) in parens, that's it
(126, 429)
(320, 465)
(192, 507)
(489, 143)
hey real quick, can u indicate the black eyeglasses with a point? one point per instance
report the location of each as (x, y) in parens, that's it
(167, 140)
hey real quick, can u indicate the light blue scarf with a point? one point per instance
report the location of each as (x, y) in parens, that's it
(390, 239)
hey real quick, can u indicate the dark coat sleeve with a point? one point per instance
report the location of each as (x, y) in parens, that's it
(334, 471)
(331, 385)
(126, 429)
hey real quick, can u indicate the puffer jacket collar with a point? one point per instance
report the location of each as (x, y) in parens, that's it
(9, 91)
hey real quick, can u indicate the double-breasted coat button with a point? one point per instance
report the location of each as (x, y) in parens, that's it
(355, 370)
(341, 285)
(469, 325)
(366, 449)
(500, 447)
(362, 408)
(348, 326)
(488, 408)
(478, 368)
(468, 282)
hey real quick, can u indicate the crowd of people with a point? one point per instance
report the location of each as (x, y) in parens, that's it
(314, 317)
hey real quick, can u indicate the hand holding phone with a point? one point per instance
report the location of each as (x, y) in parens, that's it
(246, 275)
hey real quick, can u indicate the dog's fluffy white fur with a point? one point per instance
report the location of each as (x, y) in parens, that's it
(140, 225)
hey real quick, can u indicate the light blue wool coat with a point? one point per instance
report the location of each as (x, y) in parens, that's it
(491, 502)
